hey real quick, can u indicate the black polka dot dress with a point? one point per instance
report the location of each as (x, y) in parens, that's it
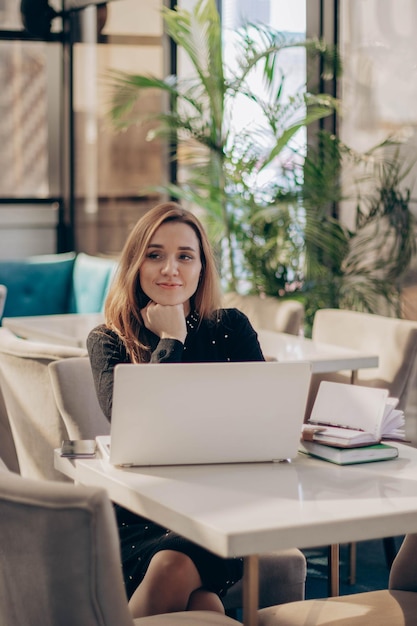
(227, 337)
(140, 539)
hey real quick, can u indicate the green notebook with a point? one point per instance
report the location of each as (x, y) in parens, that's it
(349, 456)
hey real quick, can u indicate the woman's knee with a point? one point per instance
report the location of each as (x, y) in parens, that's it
(176, 567)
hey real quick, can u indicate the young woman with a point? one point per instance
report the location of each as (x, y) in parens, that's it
(164, 307)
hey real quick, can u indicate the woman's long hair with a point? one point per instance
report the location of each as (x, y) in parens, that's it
(126, 298)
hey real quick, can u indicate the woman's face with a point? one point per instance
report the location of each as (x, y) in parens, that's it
(171, 270)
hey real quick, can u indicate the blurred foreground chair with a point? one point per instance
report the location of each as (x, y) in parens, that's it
(278, 314)
(60, 560)
(31, 421)
(396, 606)
(282, 574)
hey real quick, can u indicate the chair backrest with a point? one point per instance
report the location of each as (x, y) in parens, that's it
(76, 398)
(35, 421)
(279, 315)
(393, 340)
(3, 296)
(91, 279)
(60, 556)
(7, 447)
(37, 285)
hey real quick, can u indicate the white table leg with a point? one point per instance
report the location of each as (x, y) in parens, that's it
(334, 550)
(250, 590)
(352, 547)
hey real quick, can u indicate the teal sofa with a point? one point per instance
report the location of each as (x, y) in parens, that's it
(55, 284)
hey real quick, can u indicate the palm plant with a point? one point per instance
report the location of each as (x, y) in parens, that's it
(269, 208)
(224, 169)
(383, 244)
(361, 268)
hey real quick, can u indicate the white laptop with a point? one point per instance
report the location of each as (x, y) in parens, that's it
(188, 413)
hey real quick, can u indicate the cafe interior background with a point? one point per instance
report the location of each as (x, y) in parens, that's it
(69, 180)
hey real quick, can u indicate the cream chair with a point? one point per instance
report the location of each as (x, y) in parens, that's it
(60, 560)
(282, 577)
(277, 314)
(393, 340)
(73, 388)
(396, 606)
(3, 296)
(282, 574)
(31, 421)
(7, 447)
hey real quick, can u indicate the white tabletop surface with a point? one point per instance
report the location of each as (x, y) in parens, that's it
(323, 357)
(69, 329)
(244, 509)
(72, 329)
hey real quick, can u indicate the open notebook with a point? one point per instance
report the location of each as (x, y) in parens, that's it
(186, 413)
(352, 415)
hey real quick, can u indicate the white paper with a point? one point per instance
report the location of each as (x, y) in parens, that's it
(355, 407)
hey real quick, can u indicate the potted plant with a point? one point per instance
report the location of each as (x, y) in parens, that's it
(267, 205)
(360, 268)
(223, 170)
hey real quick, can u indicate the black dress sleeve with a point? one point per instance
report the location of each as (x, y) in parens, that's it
(168, 351)
(106, 350)
(239, 338)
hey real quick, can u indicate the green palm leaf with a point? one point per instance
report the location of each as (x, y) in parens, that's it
(268, 208)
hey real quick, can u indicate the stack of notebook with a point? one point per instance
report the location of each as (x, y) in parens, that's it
(351, 424)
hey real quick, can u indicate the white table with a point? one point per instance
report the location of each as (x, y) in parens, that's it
(69, 329)
(248, 509)
(323, 357)
(72, 329)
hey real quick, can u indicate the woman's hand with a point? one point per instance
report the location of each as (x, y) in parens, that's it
(168, 322)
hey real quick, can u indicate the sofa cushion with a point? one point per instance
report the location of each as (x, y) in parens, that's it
(90, 281)
(38, 285)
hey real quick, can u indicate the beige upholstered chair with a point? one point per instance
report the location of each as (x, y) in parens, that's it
(3, 296)
(393, 340)
(394, 607)
(7, 447)
(34, 422)
(280, 315)
(282, 574)
(73, 388)
(60, 560)
(282, 577)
